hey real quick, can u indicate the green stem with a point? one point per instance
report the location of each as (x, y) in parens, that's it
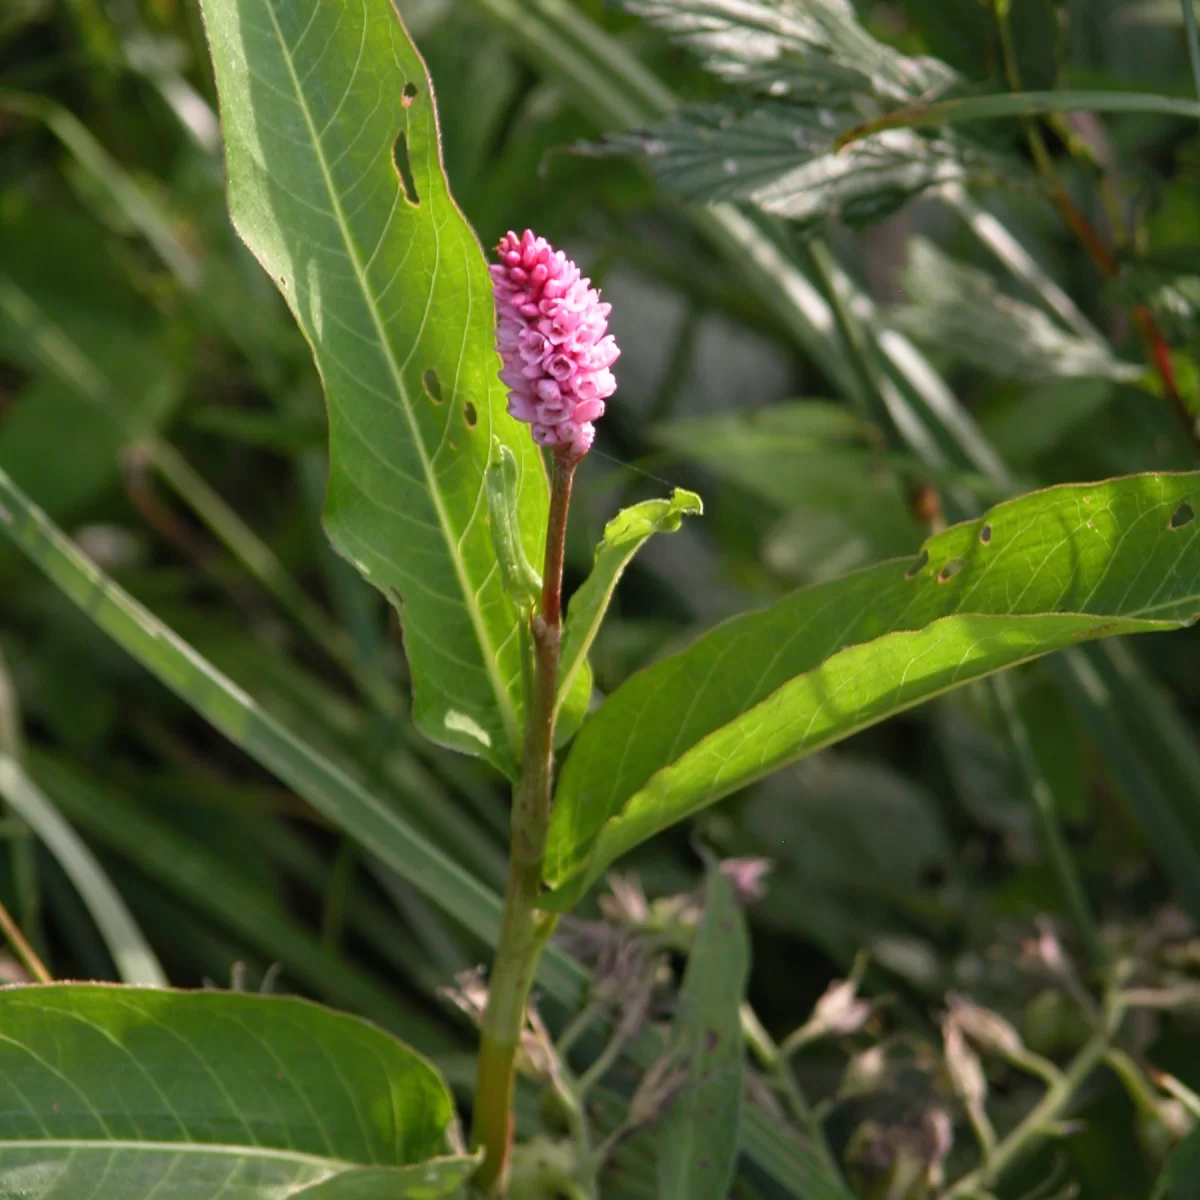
(1039, 1124)
(1012, 73)
(1154, 344)
(1193, 39)
(774, 1060)
(878, 400)
(579, 1025)
(604, 1062)
(524, 930)
(1045, 816)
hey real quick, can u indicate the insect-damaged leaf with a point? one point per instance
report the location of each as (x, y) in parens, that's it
(336, 183)
(1033, 575)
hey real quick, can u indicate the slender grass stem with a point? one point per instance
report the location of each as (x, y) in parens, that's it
(1045, 816)
(22, 949)
(1193, 39)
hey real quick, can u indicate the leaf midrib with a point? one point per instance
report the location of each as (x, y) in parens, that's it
(200, 1149)
(562, 877)
(489, 655)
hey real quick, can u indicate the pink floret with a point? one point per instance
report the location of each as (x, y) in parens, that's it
(552, 333)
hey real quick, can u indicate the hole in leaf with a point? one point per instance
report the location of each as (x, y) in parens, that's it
(985, 534)
(951, 569)
(918, 566)
(409, 94)
(404, 168)
(470, 415)
(1183, 515)
(432, 385)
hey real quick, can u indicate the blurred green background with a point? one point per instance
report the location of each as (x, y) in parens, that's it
(157, 401)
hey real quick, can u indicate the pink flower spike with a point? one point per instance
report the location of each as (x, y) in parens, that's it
(552, 335)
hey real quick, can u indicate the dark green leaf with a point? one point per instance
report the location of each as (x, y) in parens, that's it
(1180, 1178)
(210, 882)
(336, 183)
(697, 1148)
(99, 360)
(810, 456)
(964, 34)
(207, 1094)
(1033, 575)
(855, 844)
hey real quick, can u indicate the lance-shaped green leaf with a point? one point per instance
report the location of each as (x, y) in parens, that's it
(1033, 575)
(698, 1143)
(336, 184)
(129, 1093)
(624, 536)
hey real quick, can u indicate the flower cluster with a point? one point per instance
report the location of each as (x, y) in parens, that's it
(552, 335)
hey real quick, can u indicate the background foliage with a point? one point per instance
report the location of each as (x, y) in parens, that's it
(814, 379)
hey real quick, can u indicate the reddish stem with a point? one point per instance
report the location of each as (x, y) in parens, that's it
(1154, 343)
(523, 929)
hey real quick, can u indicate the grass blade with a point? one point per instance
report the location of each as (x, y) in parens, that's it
(1021, 104)
(135, 961)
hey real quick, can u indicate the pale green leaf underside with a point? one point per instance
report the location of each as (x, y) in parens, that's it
(131, 1093)
(389, 286)
(698, 1146)
(624, 535)
(1033, 575)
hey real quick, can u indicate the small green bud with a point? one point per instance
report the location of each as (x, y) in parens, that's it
(521, 581)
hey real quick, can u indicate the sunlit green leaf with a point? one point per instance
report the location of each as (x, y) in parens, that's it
(207, 1094)
(1033, 575)
(336, 183)
(624, 535)
(820, 70)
